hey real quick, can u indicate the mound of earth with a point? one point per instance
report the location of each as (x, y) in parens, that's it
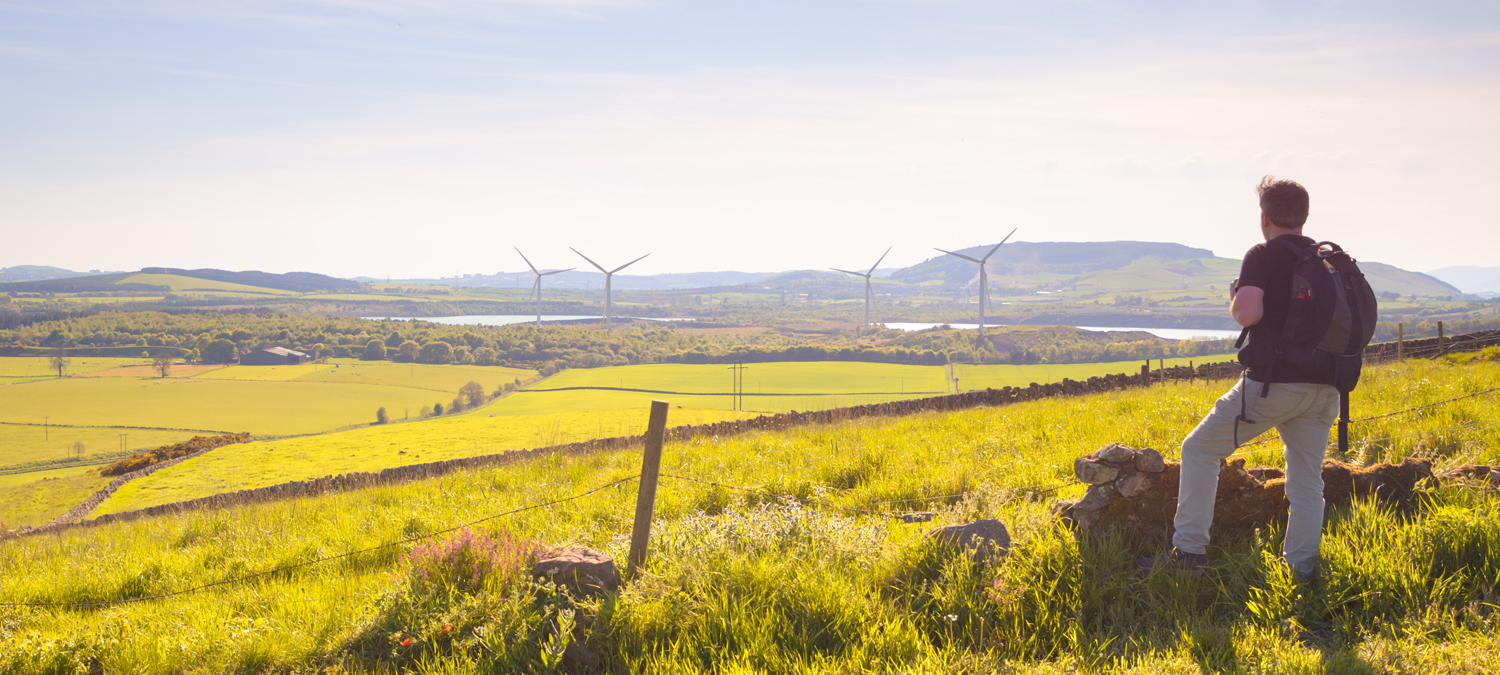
(1135, 492)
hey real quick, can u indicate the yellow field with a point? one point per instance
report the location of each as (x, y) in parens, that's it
(149, 371)
(38, 501)
(972, 377)
(252, 465)
(264, 373)
(9, 479)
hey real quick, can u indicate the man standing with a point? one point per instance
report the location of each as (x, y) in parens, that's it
(1300, 402)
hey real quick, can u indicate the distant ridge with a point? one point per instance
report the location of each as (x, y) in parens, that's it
(38, 273)
(297, 282)
(1471, 279)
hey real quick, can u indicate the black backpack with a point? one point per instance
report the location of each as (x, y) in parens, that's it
(1329, 322)
(1332, 312)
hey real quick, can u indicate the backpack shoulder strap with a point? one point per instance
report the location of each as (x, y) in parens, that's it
(1302, 252)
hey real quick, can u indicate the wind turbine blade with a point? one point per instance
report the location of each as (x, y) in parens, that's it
(601, 269)
(1002, 243)
(858, 274)
(877, 262)
(626, 264)
(528, 261)
(959, 255)
(543, 274)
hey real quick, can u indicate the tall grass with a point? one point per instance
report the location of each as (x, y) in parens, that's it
(743, 583)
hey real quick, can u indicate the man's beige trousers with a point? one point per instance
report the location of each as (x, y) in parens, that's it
(1303, 414)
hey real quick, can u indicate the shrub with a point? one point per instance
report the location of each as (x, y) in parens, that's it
(374, 351)
(407, 352)
(484, 356)
(147, 458)
(380, 416)
(437, 409)
(469, 563)
(436, 352)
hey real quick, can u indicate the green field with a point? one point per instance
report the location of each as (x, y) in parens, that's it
(529, 402)
(36, 367)
(22, 443)
(973, 377)
(436, 377)
(745, 584)
(252, 465)
(803, 377)
(261, 408)
(9, 479)
(36, 502)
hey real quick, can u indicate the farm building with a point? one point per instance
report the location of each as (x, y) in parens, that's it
(274, 356)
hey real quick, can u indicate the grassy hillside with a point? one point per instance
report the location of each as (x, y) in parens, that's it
(181, 283)
(45, 495)
(740, 584)
(14, 368)
(972, 376)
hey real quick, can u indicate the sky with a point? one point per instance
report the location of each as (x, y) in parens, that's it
(427, 138)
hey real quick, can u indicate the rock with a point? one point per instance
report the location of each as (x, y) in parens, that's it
(586, 571)
(1092, 472)
(1115, 452)
(1265, 473)
(984, 536)
(1149, 460)
(1131, 485)
(918, 517)
(1097, 497)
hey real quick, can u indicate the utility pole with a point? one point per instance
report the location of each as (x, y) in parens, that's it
(737, 389)
(46, 429)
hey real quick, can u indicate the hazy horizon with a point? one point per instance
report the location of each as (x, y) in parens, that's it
(425, 139)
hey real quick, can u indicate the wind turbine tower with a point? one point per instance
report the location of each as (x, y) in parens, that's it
(537, 286)
(869, 294)
(608, 277)
(984, 277)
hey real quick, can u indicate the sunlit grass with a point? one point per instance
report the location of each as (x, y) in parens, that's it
(743, 583)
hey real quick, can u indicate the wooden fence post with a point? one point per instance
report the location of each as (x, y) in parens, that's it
(1440, 337)
(1146, 374)
(645, 501)
(1400, 340)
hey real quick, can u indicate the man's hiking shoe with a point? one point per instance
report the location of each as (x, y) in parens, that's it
(1182, 561)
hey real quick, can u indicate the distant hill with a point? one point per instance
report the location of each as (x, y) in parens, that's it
(160, 279)
(1387, 278)
(1049, 259)
(1471, 279)
(582, 279)
(38, 273)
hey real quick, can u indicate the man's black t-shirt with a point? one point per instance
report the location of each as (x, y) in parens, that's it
(1270, 269)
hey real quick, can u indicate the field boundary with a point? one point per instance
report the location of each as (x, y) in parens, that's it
(947, 403)
(726, 393)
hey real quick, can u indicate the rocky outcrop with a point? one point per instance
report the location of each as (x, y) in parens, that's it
(1139, 495)
(586, 572)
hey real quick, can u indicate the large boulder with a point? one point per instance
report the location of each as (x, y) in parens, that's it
(1141, 499)
(984, 537)
(586, 571)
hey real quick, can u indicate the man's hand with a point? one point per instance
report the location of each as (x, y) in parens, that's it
(1234, 286)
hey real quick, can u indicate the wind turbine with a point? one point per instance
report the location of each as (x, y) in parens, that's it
(984, 277)
(537, 287)
(608, 276)
(869, 295)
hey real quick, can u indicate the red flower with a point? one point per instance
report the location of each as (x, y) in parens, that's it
(447, 628)
(406, 642)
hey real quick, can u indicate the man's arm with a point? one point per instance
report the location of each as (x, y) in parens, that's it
(1247, 305)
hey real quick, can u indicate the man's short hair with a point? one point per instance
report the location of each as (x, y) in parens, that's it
(1283, 201)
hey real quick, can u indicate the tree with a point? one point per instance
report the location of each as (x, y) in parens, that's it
(79, 448)
(162, 363)
(375, 351)
(426, 411)
(394, 340)
(472, 394)
(484, 356)
(219, 351)
(407, 352)
(59, 360)
(456, 406)
(437, 409)
(436, 352)
(461, 355)
(380, 416)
